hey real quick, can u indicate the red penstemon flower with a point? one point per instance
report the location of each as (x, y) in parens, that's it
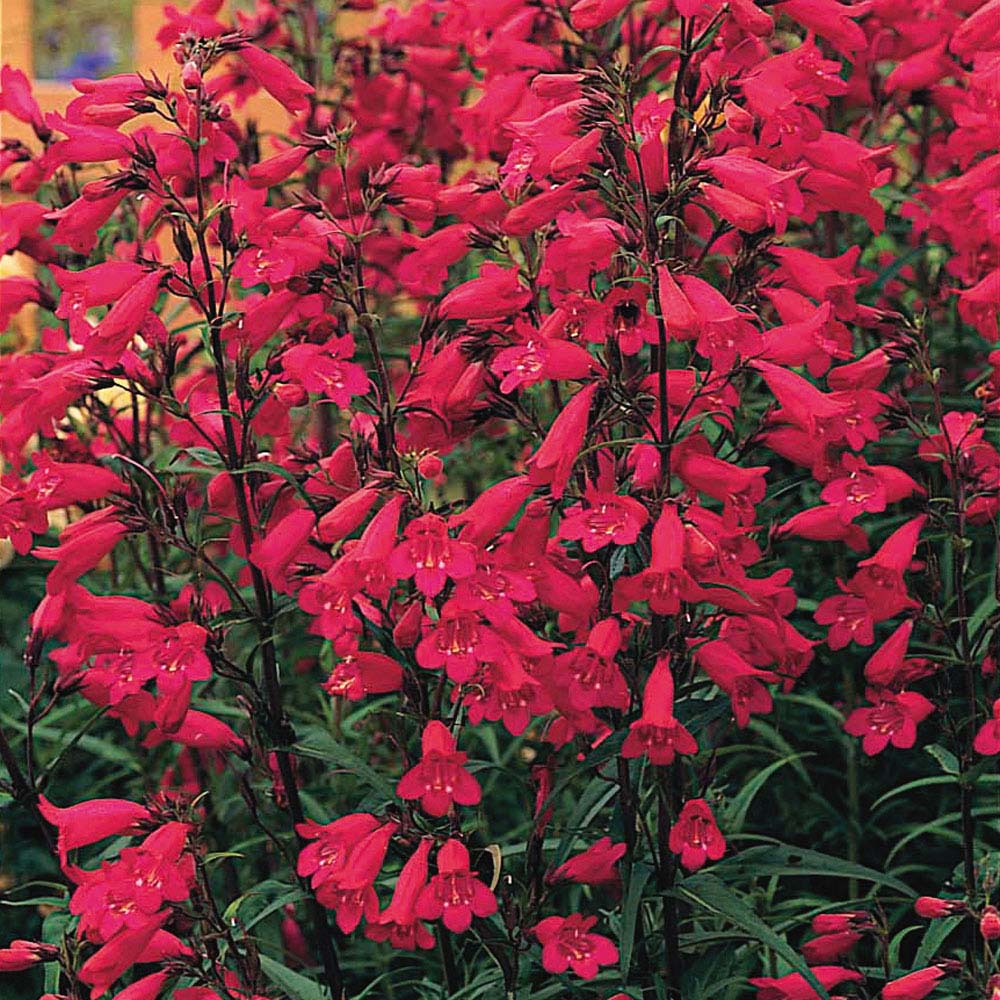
(454, 895)
(656, 733)
(550, 374)
(695, 837)
(569, 943)
(440, 779)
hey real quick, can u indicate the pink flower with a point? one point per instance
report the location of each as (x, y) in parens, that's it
(893, 718)
(277, 78)
(88, 822)
(430, 556)
(987, 741)
(568, 943)
(439, 780)
(695, 836)
(656, 733)
(454, 896)
(594, 866)
(398, 923)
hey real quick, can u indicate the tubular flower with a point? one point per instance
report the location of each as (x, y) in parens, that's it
(695, 837)
(454, 895)
(440, 779)
(568, 943)
(656, 733)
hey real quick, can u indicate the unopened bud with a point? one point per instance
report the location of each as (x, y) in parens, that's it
(190, 76)
(989, 924)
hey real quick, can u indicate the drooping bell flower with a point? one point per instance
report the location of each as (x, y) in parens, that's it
(695, 836)
(81, 547)
(540, 209)
(743, 682)
(351, 895)
(683, 322)
(864, 488)
(879, 579)
(836, 923)
(279, 167)
(440, 779)
(976, 32)
(17, 100)
(769, 196)
(569, 943)
(349, 513)
(398, 923)
(739, 488)
(587, 676)
(829, 947)
(425, 270)
(325, 859)
(60, 484)
(830, 20)
(922, 69)
(802, 404)
(594, 866)
(656, 733)
(492, 510)
(200, 731)
(850, 620)
(537, 358)
(88, 822)
(326, 369)
(824, 523)
(586, 15)
(279, 548)
(552, 463)
(454, 895)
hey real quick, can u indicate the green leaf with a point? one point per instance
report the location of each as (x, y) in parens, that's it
(711, 894)
(318, 743)
(220, 855)
(934, 937)
(206, 456)
(738, 808)
(948, 761)
(297, 986)
(630, 914)
(783, 859)
(271, 469)
(910, 786)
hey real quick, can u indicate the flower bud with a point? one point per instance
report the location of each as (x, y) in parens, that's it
(430, 466)
(191, 76)
(989, 924)
(930, 907)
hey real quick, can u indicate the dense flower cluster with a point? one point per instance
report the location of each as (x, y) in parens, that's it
(511, 383)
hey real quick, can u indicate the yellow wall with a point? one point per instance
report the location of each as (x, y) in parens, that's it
(16, 49)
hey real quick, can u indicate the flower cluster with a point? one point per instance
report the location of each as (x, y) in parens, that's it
(441, 494)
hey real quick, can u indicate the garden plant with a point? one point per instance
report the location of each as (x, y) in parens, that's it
(524, 527)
